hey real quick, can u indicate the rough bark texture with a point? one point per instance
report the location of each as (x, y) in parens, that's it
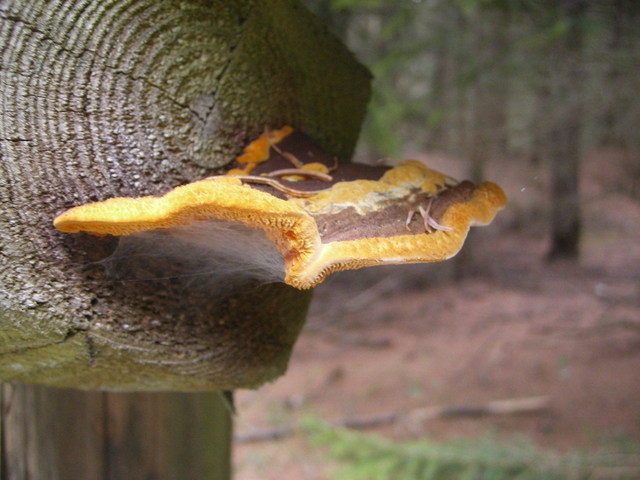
(128, 98)
(113, 436)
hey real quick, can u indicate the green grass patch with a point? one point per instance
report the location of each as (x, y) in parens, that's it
(363, 456)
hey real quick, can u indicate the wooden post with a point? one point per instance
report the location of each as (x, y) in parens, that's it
(51, 433)
(132, 98)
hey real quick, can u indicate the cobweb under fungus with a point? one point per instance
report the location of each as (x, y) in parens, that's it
(289, 212)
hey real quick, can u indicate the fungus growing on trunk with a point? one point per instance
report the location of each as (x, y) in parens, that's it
(319, 217)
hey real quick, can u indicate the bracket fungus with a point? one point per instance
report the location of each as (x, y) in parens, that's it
(318, 216)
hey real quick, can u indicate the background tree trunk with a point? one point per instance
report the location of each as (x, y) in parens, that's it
(130, 98)
(564, 145)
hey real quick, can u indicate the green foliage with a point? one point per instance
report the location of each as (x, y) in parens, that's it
(369, 457)
(347, 4)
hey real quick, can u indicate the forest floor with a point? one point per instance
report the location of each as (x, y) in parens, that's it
(499, 322)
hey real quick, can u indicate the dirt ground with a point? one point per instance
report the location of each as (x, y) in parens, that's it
(499, 322)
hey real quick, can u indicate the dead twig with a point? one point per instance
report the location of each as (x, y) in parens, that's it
(271, 182)
(283, 172)
(509, 406)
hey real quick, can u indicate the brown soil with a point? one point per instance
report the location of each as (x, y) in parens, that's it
(499, 322)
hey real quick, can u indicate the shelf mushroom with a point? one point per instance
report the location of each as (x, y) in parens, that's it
(316, 216)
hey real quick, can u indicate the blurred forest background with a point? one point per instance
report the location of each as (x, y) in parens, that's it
(542, 97)
(492, 77)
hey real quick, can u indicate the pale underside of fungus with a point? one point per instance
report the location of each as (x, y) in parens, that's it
(308, 214)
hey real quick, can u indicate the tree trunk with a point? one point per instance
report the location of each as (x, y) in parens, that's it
(441, 94)
(538, 124)
(489, 91)
(130, 98)
(564, 141)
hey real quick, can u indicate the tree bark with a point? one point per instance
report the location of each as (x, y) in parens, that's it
(130, 98)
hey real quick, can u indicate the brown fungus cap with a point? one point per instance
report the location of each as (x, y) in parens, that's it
(361, 216)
